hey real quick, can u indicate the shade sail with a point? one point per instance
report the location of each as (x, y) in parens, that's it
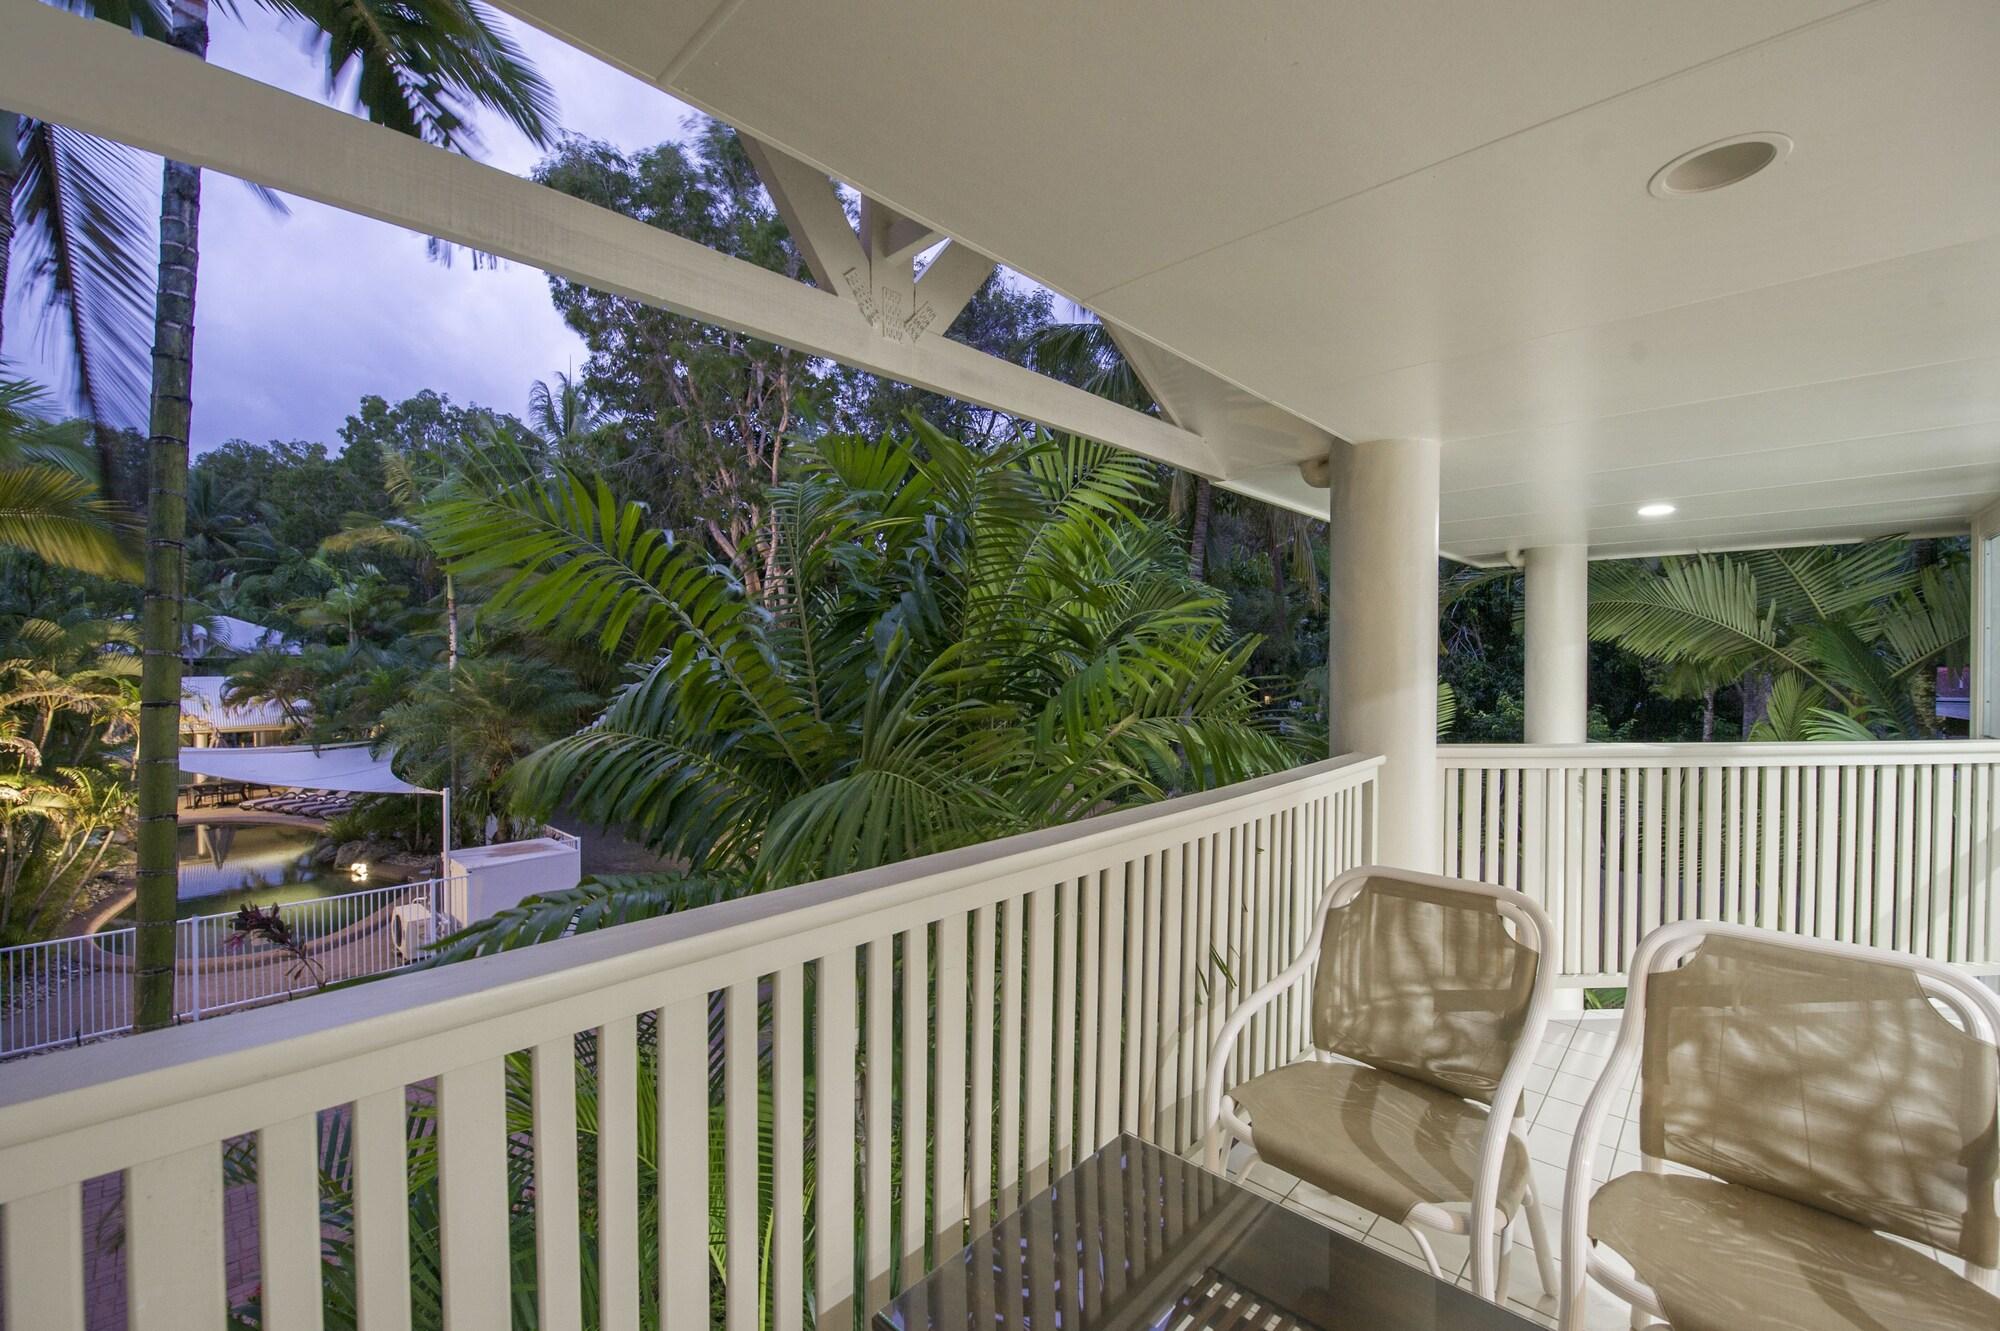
(344, 767)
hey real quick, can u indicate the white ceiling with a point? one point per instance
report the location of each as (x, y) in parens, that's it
(1431, 219)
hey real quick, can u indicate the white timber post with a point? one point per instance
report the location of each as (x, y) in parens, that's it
(1383, 632)
(1557, 582)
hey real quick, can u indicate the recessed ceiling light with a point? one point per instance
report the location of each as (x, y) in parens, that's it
(1656, 510)
(1716, 165)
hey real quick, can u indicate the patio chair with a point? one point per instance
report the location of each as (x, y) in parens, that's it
(1803, 1109)
(1429, 999)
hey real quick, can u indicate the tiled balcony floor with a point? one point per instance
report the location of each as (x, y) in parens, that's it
(1567, 1067)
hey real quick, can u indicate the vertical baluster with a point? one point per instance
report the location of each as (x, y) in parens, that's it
(1146, 1028)
(1922, 831)
(1652, 857)
(949, 1033)
(1489, 859)
(984, 1106)
(1596, 884)
(1852, 847)
(1174, 1003)
(472, 1195)
(1959, 946)
(683, 1155)
(1135, 1034)
(1111, 992)
(1510, 829)
(1826, 861)
(1985, 864)
(1041, 1035)
(1788, 828)
(914, 1129)
(741, 1218)
(43, 1250)
(1165, 1040)
(1448, 833)
(618, 1174)
(288, 1222)
(382, 1211)
(1934, 828)
(1013, 923)
(173, 1241)
(834, 1142)
(879, 1127)
(1066, 1041)
(788, 1151)
(1872, 912)
(559, 1262)
(1908, 838)
(1197, 993)
(1673, 904)
(1091, 963)
(1470, 834)
(1632, 809)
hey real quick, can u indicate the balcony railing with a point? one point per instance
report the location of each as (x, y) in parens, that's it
(1891, 844)
(920, 1045)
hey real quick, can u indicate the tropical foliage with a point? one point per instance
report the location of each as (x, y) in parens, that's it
(1845, 640)
(967, 644)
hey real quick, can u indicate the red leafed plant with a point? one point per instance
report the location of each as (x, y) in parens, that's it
(266, 923)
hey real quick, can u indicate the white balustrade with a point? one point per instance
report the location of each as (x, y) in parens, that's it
(1891, 844)
(70, 990)
(920, 1046)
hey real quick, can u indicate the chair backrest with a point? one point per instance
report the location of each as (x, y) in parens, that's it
(1423, 979)
(1827, 1078)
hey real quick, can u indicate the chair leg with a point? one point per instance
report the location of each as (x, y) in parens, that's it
(1424, 1246)
(1506, 1255)
(1545, 1260)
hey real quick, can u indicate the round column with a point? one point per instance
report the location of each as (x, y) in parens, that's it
(1557, 581)
(1383, 633)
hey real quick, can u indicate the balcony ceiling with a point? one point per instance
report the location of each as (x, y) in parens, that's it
(1433, 219)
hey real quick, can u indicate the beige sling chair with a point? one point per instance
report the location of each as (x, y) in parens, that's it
(1830, 1096)
(1429, 999)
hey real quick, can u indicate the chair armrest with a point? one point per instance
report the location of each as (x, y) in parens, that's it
(1225, 1041)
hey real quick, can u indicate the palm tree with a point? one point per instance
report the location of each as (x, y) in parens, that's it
(72, 205)
(969, 644)
(562, 411)
(49, 503)
(422, 68)
(1845, 635)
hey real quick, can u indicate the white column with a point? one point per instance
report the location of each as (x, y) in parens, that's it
(1383, 632)
(1558, 644)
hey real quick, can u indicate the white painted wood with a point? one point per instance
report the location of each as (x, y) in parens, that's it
(1007, 1088)
(949, 1036)
(914, 1130)
(879, 1123)
(835, 1088)
(43, 1254)
(145, 94)
(472, 1194)
(288, 1222)
(1040, 1057)
(173, 1242)
(1139, 924)
(684, 1162)
(618, 1175)
(1068, 922)
(788, 1151)
(981, 1101)
(1879, 843)
(558, 1260)
(742, 1218)
(382, 1210)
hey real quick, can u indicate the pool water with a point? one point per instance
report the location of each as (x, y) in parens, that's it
(223, 868)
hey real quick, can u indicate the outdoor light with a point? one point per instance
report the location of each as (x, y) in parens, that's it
(358, 871)
(1715, 166)
(1655, 510)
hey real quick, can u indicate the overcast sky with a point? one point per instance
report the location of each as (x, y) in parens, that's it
(298, 317)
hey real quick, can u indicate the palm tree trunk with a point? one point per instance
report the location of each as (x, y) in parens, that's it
(166, 568)
(1707, 715)
(1204, 501)
(10, 171)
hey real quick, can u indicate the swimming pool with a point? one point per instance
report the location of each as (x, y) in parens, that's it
(225, 867)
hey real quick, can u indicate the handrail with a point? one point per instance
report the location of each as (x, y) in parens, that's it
(508, 997)
(1608, 754)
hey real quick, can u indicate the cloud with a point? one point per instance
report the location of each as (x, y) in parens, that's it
(298, 317)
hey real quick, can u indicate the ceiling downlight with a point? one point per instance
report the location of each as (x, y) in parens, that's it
(1719, 165)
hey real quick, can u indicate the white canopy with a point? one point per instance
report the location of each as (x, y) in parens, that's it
(344, 767)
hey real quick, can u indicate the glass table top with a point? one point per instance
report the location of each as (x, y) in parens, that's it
(1135, 1237)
